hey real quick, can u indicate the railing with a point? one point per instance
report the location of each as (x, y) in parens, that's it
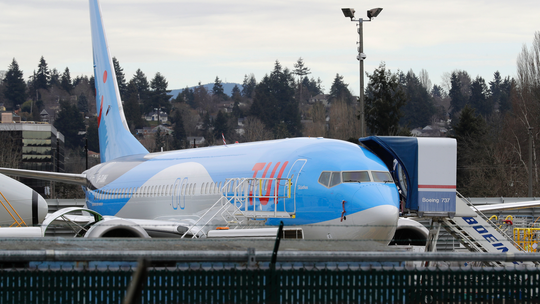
(244, 192)
(479, 213)
(527, 238)
(292, 280)
(237, 195)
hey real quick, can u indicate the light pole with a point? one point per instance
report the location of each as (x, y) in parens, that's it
(530, 162)
(349, 13)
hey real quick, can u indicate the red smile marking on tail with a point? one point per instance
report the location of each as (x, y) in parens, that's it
(100, 110)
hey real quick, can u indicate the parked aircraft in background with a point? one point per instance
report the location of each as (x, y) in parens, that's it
(21, 208)
(329, 188)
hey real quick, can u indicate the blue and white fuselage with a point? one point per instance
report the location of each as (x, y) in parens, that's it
(176, 184)
(339, 190)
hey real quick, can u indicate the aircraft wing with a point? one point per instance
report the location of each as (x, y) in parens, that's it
(68, 178)
(508, 206)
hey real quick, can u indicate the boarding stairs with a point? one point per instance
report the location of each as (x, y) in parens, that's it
(241, 202)
(478, 233)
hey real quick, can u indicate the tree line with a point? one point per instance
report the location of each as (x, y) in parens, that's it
(489, 118)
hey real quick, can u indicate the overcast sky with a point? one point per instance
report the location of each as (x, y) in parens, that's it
(194, 41)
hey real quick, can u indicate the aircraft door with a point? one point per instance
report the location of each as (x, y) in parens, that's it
(179, 193)
(294, 173)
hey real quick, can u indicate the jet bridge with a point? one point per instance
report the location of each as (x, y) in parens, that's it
(424, 170)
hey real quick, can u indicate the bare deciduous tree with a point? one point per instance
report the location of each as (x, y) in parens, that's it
(255, 130)
(343, 123)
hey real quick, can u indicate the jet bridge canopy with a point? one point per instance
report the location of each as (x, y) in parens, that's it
(424, 169)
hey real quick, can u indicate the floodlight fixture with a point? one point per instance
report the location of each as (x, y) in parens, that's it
(374, 12)
(348, 12)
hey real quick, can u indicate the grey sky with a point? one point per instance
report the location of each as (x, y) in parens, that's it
(192, 41)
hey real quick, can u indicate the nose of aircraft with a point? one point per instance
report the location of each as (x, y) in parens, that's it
(379, 212)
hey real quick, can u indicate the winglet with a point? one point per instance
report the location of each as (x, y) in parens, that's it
(115, 139)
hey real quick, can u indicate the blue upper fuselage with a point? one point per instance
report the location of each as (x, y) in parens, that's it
(300, 159)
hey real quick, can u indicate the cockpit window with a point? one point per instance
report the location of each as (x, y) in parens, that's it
(335, 179)
(356, 177)
(330, 179)
(324, 179)
(381, 176)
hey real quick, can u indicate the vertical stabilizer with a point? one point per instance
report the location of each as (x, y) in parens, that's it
(115, 140)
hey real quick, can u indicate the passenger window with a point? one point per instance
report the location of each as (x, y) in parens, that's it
(382, 177)
(356, 177)
(324, 179)
(335, 179)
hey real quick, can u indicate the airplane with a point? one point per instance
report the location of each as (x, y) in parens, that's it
(336, 189)
(22, 209)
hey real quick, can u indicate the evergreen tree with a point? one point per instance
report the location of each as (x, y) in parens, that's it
(458, 96)
(340, 91)
(274, 102)
(217, 90)
(301, 71)
(69, 122)
(65, 82)
(313, 86)
(207, 126)
(479, 97)
(14, 86)
(158, 97)
(43, 76)
(500, 92)
(186, 96)
(235, 93)
(248, 86)
(120, 79)
(179, 132)
(384, 99)
(202, 100)
(236, 111)
(92, 84)
(132, 109)
(471, 135)
(221, 126)
(92, 135)
(55, 79)
(505, 104)
(82, 103)
(159, 140)
(143, 87)
(419, 108)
